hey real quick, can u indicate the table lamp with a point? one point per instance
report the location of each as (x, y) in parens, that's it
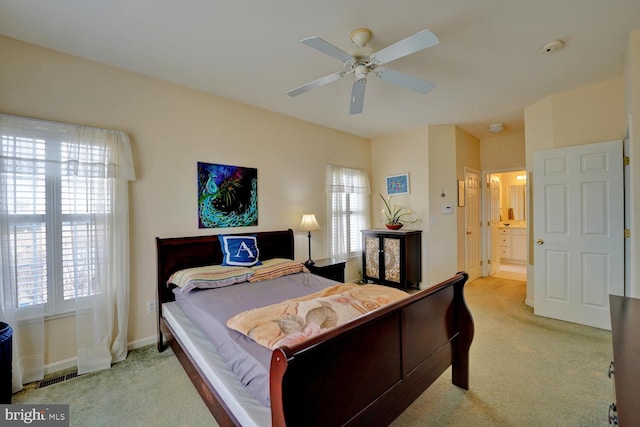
(309, 224)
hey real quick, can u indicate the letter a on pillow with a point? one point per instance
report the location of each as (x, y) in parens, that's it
(239, 250)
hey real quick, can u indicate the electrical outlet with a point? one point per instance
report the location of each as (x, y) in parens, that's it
(152, 307)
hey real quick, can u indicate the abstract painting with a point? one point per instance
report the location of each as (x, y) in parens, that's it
(398, 184)
(227, 196)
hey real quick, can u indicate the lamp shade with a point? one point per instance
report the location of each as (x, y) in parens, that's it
(309, 223)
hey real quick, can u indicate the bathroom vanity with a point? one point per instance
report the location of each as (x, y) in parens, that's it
(513, 244)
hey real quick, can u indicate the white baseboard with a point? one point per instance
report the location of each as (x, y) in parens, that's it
(60, 365)
(142, 342)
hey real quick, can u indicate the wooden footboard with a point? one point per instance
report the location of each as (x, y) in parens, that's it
(369, 371)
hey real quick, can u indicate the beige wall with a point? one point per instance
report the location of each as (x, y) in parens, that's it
(467, 152)
(442, 241)
(502, 152)
(538, 125)
(173, 128)
(585, 115)
(403, 152)
(589, 114)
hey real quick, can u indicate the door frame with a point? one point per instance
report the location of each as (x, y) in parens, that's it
(486, 215)
(628, 264)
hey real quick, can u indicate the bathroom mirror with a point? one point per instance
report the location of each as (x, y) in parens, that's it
(517, 202)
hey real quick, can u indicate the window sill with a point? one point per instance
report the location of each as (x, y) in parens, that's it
(31, 318)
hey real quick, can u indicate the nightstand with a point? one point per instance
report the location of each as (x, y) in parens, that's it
(330, 268)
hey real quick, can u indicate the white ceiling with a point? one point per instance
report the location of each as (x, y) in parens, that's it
(487, 67)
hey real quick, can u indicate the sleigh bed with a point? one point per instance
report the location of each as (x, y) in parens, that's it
(365, 372)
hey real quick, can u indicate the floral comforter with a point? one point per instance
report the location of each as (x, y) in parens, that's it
(293, 321)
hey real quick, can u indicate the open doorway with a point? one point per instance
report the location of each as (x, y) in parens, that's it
(507, 236)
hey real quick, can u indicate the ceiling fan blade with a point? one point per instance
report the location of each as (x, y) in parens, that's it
(328, 49)
(316, 83)
(411, 44)
(357, 96)
(413, 83)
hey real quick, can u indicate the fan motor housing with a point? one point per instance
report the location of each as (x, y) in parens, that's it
(361, 71)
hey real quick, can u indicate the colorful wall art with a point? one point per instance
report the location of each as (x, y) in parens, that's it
(227, 196)
(398, 184)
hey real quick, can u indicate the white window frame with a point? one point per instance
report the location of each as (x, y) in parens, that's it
(53, 220)
(346, 183)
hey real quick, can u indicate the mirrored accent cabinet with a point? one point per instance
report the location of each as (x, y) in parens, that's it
(392, 258)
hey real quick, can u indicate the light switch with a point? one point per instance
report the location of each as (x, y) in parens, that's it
(447, 209)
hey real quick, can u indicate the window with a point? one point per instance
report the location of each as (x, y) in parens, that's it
(348, 205)
(56, 202)
(53, 221)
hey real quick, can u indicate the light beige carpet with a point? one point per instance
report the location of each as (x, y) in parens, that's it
(525, 371)
(147, 389)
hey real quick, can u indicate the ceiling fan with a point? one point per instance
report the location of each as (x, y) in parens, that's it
(363, 60)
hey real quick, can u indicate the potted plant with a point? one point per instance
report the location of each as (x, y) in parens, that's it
(394, 214)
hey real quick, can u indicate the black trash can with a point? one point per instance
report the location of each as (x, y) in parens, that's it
(6, 336)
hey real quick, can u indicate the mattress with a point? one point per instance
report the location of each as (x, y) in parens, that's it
(242, 405)
(209, 310)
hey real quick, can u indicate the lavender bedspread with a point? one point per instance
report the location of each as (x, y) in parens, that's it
(210, 309)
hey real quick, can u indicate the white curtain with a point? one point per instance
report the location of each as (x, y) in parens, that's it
(99, 163)
(348, 209)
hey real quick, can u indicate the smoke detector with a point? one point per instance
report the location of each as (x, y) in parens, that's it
(552, 46)
(496, 127)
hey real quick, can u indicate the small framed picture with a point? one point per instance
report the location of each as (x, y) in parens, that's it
(398, 184)
(461, 193)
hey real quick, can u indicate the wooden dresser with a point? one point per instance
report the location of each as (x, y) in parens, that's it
(625, 335)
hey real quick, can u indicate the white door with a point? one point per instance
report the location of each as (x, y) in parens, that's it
(578, 232)
(472, 212)
(494, 223)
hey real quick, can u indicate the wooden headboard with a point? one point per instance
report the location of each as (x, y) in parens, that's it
(177, 253)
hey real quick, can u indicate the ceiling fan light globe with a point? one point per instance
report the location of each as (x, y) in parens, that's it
(361, 72)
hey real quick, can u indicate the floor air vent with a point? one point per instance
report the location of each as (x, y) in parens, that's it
(58, 379)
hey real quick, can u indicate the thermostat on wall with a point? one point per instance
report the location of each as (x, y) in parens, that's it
(447, 209)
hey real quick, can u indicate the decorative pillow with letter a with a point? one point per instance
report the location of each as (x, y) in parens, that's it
(239, 250)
